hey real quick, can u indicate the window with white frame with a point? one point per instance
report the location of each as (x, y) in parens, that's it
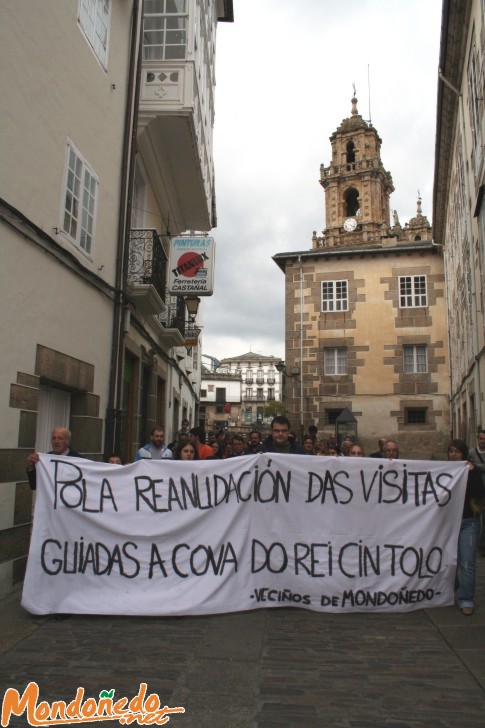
(335, 360)
(165, 29)
(81, 190)
(335, 296)
(412, 292)
(415, 359)
(93, 16)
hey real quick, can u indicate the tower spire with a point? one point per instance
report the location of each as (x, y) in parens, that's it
(354, 102)
(418, 206)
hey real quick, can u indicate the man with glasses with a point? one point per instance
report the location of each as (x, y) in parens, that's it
(279, 440)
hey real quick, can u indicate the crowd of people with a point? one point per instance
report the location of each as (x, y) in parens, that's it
(192, 444)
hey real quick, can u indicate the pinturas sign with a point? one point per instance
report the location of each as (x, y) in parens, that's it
(191, 266)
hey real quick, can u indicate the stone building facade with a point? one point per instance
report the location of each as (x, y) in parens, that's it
(365, 315)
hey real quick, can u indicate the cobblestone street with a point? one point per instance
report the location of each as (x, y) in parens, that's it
(279, 667)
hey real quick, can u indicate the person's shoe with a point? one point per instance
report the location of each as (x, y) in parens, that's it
(468, 611)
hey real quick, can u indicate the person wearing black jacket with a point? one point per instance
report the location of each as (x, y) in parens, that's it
(469, 531)
(254, 443)
(279, 440)
(61, 445)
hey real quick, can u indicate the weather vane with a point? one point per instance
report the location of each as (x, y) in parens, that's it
(355, 92)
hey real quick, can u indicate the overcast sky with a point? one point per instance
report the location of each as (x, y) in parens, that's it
(285, 71)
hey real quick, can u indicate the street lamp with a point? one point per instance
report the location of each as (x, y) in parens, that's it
(192, 304)
(281, 367)
(346, 426)
(191, 330)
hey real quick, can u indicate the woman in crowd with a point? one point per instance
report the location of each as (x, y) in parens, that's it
(185, 451)
(227, 449)
(216, 449)
(469, 532)
(321, 447)
(308, 445)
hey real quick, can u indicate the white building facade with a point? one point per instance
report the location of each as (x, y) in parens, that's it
(459, 205)
(220, 401)
(261, 385)
(91, 340)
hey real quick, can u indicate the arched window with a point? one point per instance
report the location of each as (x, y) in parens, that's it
(351, 199)
(417, 237)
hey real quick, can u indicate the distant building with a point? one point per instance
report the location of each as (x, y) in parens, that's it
(365, 315)
(220, 400)
(90, 338)
(261, 384)
(459, 204)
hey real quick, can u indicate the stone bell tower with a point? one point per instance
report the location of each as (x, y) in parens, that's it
(357, 187)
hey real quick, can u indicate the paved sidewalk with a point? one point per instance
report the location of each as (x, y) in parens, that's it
(263, 669)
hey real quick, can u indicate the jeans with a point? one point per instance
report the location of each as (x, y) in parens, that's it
(467, 554)
(481, 543)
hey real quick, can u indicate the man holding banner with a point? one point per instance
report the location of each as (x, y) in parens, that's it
(61, 445)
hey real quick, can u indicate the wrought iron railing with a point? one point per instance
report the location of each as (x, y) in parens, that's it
(148, 260)
(174, 316)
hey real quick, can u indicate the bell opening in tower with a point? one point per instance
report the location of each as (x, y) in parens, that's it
(350, 155)
(351, 199)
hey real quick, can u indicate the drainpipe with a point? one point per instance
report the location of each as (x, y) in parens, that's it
(113, 422)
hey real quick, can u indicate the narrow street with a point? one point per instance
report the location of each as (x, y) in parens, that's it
(262, 669)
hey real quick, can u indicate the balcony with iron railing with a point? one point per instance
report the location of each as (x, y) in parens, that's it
(172, 321)
(147, 285)
(147, 271)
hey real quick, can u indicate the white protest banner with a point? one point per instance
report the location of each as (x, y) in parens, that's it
(205, 537)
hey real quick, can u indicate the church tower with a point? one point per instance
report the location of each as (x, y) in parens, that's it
(365, 314)
(357, 187)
